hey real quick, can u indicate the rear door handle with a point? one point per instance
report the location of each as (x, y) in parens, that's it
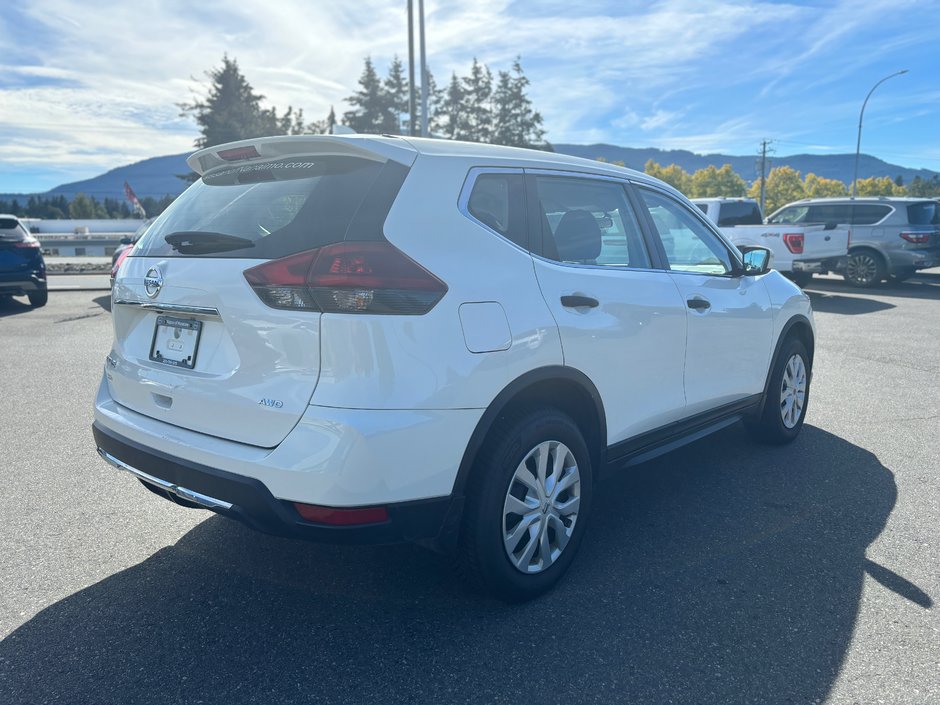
(579, 301)
(699, 304)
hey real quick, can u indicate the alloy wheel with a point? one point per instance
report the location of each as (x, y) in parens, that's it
(541, 507)
(793, 391)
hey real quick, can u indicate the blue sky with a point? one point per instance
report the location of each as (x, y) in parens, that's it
(86, 87)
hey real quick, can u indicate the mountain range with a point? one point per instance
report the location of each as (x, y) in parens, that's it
(158, 176)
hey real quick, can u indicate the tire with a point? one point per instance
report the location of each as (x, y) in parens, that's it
(498, 554)
(780, 422)
(38, 298)
(902, 274)
(864, 268)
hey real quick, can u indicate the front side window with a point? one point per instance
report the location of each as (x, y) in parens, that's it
(690, 246)
(589, 221)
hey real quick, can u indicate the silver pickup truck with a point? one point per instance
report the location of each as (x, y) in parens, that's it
(799, 251)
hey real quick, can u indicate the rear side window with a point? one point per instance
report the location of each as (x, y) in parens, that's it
(273, 209)
(789, 216)
(739, 213)
(703, 207)
(11, 230)
(588, 221)
(923, 213)
(869, 214)
(498, 201)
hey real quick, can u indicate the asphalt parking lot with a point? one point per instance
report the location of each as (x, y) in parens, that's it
(726, 572)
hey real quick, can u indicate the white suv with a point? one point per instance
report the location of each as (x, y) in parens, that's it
(377, 339)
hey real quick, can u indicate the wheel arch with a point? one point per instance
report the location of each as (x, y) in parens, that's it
(800, 327)
(563, 388)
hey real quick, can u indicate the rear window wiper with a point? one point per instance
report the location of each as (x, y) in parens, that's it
(201, 242)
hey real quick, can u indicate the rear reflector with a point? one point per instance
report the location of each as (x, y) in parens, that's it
(918, 238)
(238, 153)
(341, 517)
(348, 277)
(794, 242)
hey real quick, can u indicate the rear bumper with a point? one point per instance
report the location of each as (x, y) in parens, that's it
(249, 501)
(19, 283)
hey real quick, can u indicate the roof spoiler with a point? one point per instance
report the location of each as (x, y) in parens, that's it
(264, 148)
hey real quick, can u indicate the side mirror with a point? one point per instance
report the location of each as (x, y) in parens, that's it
(756, 261)
(125, 241)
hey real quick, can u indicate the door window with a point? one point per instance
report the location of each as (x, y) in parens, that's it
(589, 221)
(690, 246)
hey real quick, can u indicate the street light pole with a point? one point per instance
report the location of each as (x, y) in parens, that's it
(858, 144)
(424, 71)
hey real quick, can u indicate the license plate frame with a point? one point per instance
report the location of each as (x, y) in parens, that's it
(176, 341)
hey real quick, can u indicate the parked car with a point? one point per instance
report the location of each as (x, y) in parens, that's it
(799, 251)
(379, 339)
(128, 242)
(891, 237)
(22, 267)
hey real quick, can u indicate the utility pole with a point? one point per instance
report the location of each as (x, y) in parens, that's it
(763, 171)
(424, 71)
(412, 108)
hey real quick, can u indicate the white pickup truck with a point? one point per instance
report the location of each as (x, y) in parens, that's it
(799, 251)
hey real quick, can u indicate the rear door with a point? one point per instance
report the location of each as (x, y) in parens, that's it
(730, 322)
(621, 321)
(195, 344)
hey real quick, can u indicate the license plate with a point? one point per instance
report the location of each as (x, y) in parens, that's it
(175, 341)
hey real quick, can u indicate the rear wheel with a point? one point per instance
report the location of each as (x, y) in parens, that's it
(787, 396)
(527, 506)
(864, 268)
(38, 298)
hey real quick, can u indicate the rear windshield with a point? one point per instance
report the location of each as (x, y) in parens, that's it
(12, 231)
(277, 208)
(739, 213)
(927, 213)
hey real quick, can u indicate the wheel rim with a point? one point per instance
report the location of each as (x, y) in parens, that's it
(541, 507)
(862, 268)
(793, 391)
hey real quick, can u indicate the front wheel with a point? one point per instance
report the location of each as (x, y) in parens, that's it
(787, 396)
(864, 268)
(527, 506)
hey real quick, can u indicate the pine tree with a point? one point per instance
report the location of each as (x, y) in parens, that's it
(232, 110)
(396, 95)
(450, 115)
(476, 119)
(371, 111)
(515, 123)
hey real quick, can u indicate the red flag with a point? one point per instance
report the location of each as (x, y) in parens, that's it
(132, 197)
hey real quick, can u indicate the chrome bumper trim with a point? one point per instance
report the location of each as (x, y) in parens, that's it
(200, 499)
(171, 308)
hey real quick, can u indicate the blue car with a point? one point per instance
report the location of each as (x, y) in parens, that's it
(22, 268)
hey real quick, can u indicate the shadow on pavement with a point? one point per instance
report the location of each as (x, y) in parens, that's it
(922, 285)
(845, 305)
(724, 572)
(104, 302)
(10, 306)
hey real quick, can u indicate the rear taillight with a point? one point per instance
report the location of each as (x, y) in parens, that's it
(348, 277)
(918, 238)
(30, 243)
(119, 261)
(794, 242)
(341, 517)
